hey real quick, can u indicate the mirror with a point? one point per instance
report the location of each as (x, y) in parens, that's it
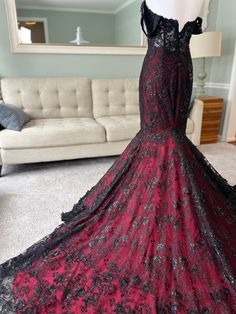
(76, 26)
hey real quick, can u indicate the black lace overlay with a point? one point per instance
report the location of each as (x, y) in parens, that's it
(166, 31)
(156, 234)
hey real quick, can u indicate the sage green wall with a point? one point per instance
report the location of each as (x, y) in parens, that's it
(100, 29)
(127, 25)
(221, 67)
(97, 28)
(97, 66)
(221, 17)
(211, 26)
(226, 23)
(40, 65)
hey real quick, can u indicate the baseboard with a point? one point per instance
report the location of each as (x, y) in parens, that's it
(214, 85)
(229, 139)
(220, 138)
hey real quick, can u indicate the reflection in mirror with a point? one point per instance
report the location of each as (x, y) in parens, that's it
(32, 30)
(80, 22)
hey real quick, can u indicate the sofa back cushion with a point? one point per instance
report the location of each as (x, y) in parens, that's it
(115, 97)
(49, 97)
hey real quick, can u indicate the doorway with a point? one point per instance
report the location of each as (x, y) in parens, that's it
(33, 30)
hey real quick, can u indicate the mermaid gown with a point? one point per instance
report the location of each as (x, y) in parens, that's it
(157, 233)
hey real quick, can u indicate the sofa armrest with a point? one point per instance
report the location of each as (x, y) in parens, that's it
(196, 116)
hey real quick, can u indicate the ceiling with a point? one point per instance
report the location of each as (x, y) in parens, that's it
(109, 6)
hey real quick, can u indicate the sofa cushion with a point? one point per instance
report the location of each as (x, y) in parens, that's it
(49, 97)
(116, 97)
(12, 118)
(54, 132)
(119, 128)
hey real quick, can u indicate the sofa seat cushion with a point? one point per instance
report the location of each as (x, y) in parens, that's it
(119, 128)
(54, 132)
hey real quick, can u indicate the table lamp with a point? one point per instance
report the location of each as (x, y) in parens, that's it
(79, 40)
(205, 45)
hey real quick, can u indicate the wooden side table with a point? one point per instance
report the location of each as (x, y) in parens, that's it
(211, 119)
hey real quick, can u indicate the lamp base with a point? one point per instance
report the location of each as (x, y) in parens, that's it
(200, 90)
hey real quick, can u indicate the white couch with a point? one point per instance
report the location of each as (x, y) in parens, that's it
(75, 118)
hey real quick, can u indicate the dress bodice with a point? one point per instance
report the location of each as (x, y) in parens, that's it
(164, 32)
(166, 76)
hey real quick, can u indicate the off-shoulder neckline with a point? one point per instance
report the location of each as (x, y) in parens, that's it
(198, 18)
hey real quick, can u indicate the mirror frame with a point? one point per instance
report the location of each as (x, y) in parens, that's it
(17, 47)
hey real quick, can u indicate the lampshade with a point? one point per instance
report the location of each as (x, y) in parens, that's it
(207, 44)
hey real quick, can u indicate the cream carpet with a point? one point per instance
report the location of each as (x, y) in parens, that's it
(32, 196)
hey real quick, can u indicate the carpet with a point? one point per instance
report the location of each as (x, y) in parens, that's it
(32, 196)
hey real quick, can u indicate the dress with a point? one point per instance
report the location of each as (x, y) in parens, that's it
(156, 234)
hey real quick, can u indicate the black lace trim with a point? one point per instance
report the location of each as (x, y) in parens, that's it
(152, 22)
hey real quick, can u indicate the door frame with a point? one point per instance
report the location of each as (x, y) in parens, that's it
(38, 19)
(229, 130)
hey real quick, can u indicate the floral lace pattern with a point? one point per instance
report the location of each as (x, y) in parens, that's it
(156, 234)
(164, 32)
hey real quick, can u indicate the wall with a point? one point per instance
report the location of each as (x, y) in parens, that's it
(226, 23)
(221, 18)
(62, 25)
(127, 25)
(98, 28)
(221, 68)
(97, 66)
(211, 26)
(40, 65)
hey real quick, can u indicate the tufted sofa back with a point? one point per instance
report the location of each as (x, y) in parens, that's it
(115, 97)
(49, 97)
